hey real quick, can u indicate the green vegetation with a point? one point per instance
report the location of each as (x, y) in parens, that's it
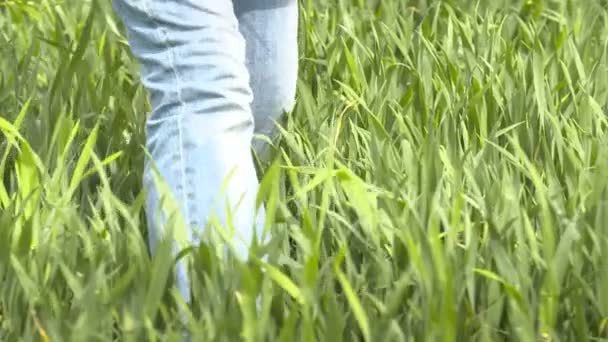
(444, 177)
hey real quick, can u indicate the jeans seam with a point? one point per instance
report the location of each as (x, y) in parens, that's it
(161, 34)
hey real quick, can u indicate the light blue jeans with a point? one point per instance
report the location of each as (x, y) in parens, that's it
(217, 71)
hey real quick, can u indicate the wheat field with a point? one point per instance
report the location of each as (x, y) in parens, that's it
(443, 177)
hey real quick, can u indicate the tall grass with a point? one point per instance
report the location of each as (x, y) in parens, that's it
(444, 176)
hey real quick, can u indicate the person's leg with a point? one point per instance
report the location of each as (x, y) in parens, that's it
(270, 28)
(200, 130)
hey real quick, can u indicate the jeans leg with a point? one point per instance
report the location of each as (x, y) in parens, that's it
(270, 29)
(192, 58)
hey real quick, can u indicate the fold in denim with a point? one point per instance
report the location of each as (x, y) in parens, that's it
(217, 72)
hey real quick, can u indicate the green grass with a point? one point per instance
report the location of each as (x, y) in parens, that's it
(443, 177)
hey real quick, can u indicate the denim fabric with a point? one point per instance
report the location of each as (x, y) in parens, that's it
(217, 71)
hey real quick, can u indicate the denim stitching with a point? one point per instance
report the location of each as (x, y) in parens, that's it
(161, 34)
(162, 38)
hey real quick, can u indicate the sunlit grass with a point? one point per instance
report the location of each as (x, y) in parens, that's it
(444, 176)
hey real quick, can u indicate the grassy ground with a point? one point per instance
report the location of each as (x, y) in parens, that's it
(444, 176)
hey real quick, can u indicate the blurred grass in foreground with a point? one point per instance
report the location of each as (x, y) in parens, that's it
(444, 176)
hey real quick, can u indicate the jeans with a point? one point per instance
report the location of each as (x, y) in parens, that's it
(217, 72)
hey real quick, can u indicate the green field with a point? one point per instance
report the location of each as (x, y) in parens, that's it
(443, 177)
